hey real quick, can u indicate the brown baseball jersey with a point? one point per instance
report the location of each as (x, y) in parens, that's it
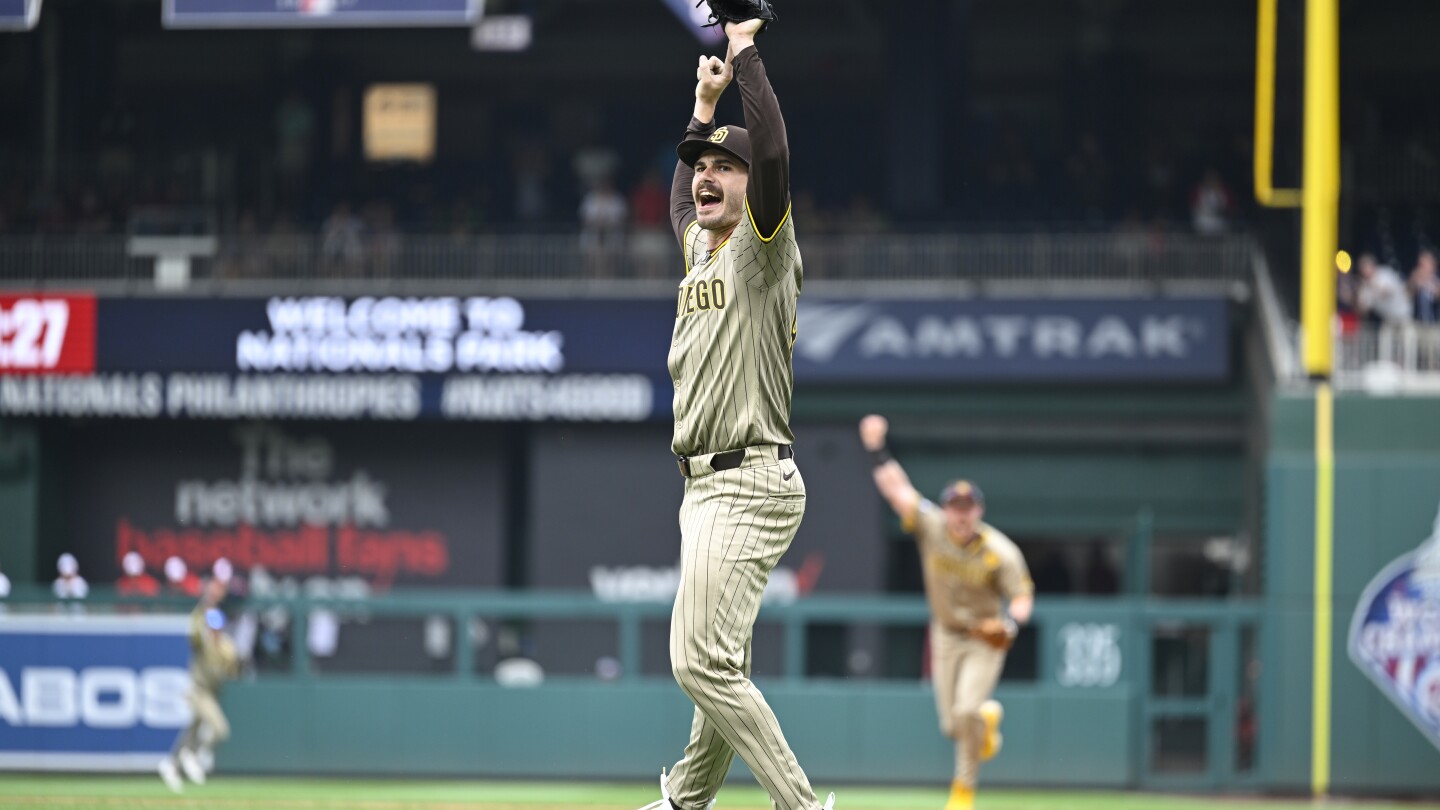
(735, 309)
(966, 582)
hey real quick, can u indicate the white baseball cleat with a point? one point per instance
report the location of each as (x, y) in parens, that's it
(664, 803)
(190, 764)
(830, 803)
(171, 776)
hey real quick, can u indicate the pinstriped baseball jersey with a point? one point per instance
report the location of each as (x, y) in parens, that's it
(967, 582)
(734, 329)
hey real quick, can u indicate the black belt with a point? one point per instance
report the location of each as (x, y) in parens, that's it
(731, 459)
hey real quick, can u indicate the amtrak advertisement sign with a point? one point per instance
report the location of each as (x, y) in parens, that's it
(1395, 634)
(1023, 340)
(91, 692)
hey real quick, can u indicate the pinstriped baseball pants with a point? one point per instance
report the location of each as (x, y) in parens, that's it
(965, 671)
(734, 527)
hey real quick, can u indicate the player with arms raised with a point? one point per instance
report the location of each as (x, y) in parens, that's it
(971, 571)
(730, 362)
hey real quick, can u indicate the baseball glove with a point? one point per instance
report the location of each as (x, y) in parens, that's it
(723, 11)
(998, 633)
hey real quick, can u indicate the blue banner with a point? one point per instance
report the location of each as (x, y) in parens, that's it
(91, 693)
(19, 15)
(1395, 635)
(1012, 340)
(388, 358)
(575, 360)
(318, 13)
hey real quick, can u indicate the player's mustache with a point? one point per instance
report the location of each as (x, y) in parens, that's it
(712, 189)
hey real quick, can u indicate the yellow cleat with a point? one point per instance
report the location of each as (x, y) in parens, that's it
(992, 713)
(962, 797)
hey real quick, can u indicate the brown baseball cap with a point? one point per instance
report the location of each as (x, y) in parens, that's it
(734, 140)
(964, 491)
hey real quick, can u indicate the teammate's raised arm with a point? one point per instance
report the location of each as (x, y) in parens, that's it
(712, 76)
(890, 477)
(768, 196)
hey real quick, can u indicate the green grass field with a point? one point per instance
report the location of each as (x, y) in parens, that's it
(242, 793)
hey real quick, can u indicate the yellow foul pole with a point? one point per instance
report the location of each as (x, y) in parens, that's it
(1320, 194)
(1320, 199)
(1265, 191)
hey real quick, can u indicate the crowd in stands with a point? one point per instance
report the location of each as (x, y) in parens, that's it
(136, 581)
(538, 185)
(1376, 294)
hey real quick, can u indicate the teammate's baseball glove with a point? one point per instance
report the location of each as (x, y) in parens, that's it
(998, 633)
(723, 11)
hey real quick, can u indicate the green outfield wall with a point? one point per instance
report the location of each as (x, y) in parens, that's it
(841, 733)
(1086, 715)
(1387, 491)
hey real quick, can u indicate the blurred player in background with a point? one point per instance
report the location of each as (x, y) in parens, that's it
(213, 661)
(730, 362)
(971, 571)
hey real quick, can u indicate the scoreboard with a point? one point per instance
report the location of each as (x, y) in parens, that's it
(319, 13)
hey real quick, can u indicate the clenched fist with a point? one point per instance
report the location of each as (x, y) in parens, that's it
(712, 76)
(873, 430)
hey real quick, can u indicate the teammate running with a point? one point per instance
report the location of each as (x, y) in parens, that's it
(212, 662)
(971, 570)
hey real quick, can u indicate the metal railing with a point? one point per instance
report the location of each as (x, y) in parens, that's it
(1135, 619)
(270, 263)
(1390, 359)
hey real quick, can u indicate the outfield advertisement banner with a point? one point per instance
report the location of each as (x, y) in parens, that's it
(1013, 340)
(95, 693)
(1395, 634)
(344, 507)
(319, 13)
(503, 359)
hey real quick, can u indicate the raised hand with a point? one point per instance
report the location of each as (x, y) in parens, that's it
(712, 76)
(873, 429)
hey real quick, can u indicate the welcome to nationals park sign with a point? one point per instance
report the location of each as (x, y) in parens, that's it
(387, 358)
(503, 359)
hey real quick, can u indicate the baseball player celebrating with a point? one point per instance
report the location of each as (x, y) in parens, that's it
(971, 571)
(730, 361)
